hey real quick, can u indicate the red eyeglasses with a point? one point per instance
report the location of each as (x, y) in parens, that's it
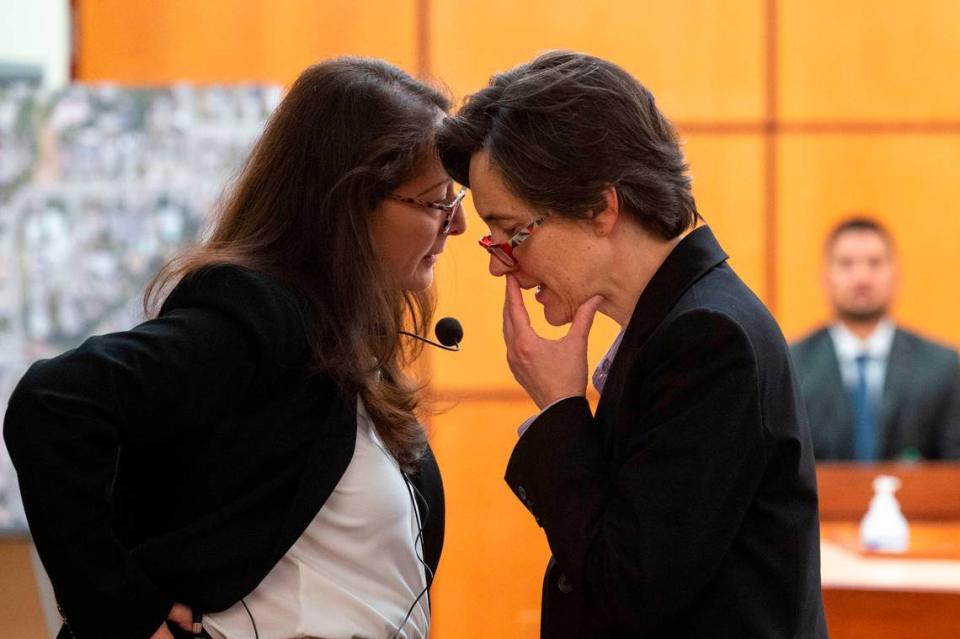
(504, 250)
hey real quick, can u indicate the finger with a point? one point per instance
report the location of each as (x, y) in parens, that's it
(515, 306)
(507, 323)
(182, 616)
(162, 633)
(583, 318)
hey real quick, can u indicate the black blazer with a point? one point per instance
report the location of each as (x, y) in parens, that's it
(180, 460)
(919, 408)
(687, 507)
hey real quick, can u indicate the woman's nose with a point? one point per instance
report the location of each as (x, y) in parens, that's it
(458, 223)
(497, 267)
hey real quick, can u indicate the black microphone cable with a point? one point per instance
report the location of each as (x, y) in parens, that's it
(418, 540)
(198, 632)
(428, 571)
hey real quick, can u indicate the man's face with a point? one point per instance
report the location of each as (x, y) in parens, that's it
(860, 276)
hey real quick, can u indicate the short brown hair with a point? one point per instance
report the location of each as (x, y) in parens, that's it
(566, 126)
(858, 223)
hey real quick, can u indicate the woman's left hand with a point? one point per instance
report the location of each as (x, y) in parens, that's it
(547, 369)
(181, 615)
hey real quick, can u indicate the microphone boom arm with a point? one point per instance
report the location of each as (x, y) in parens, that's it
(455, 347)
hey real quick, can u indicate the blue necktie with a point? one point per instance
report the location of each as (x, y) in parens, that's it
(864, 434)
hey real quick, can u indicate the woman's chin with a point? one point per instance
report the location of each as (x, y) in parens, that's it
(556, 317)
(419, 281)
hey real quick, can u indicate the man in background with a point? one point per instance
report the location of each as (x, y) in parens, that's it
(873, 390)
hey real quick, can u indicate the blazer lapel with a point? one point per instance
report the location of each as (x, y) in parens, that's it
(690, 260)
(894, 389)
(330, 454)
(835, 418)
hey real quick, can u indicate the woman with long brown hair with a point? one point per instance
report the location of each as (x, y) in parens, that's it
(253, 452)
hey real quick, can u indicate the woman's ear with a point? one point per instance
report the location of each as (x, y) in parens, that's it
(606, 218)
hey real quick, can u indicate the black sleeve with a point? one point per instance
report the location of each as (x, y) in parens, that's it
(645, 536)
(146, 387)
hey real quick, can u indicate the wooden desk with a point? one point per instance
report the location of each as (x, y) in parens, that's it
(884, 596)
(930, 491)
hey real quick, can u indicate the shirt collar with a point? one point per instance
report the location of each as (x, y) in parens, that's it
(875, 346)
(603, 368)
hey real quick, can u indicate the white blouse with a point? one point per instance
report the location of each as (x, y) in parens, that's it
(354, 572)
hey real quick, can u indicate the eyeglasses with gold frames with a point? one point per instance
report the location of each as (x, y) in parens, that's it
(450, 208)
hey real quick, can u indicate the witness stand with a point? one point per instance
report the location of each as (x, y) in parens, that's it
(914, 594)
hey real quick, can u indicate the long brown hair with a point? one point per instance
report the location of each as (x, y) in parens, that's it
(349, 131)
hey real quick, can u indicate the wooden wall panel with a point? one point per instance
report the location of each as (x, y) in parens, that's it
(910, 182)
(727, 175)
(488, 583)
(700, 58)
(217, 41)
(869, 60)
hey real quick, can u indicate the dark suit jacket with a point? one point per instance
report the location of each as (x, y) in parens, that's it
(919, 409)
(180, 460)
(687, 507)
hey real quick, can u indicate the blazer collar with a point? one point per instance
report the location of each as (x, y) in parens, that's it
(696, 254)
(690, 260)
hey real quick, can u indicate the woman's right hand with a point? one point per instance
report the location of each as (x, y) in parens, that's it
(180, 615)
(549, 370)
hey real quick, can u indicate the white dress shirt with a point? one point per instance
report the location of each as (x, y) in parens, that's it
(354, 572)
(877, 349)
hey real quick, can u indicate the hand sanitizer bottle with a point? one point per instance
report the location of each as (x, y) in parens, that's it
(884, 527)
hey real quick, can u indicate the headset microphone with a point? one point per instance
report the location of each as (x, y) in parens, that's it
(448, 331)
